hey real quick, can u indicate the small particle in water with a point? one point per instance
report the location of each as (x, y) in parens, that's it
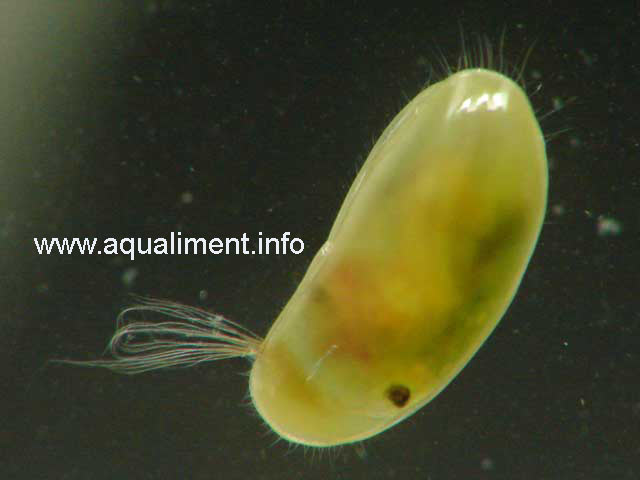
(608, 226)
(586, 58)
(486, 464)
(558, 104)
(575, 142)
(186, 198)
(558, 210)
(202, 295)
(129, 277)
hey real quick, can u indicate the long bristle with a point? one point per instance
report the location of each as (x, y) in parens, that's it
(190, 336)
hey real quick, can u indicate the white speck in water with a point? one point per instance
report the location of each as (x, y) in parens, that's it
(608, 226)
(129, 276)
(558, 210)
(486, 464)
(186, 198)
(557, 103)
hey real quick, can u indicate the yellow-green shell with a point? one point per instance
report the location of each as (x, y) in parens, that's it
(424, 257)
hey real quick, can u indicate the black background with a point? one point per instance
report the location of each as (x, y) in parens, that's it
(112, 111)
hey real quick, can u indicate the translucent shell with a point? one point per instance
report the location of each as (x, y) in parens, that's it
(424, 257)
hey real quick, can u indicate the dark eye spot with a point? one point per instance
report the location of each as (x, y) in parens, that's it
(399, 395)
